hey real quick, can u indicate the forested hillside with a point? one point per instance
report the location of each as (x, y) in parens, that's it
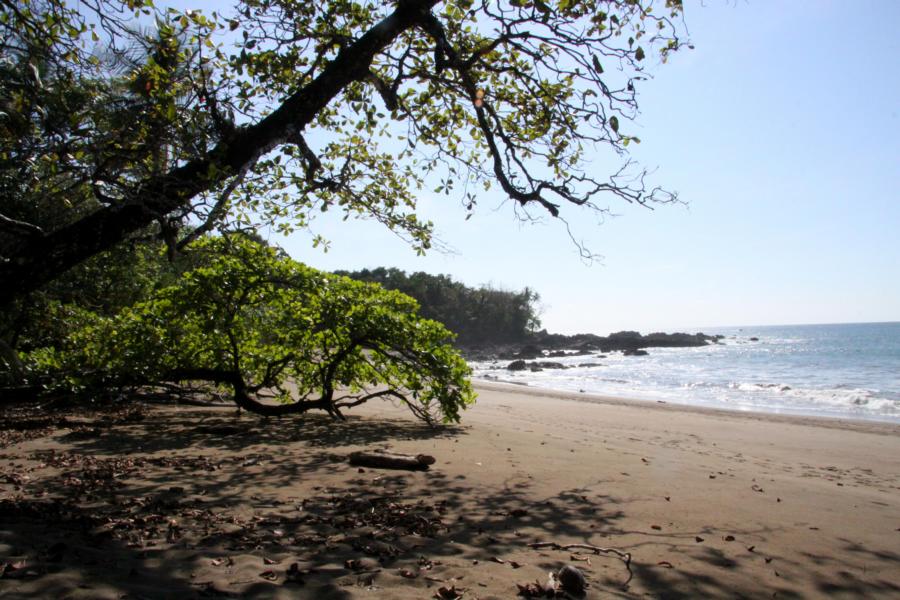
(483, 315)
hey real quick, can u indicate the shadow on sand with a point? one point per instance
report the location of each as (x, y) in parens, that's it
(201, 503)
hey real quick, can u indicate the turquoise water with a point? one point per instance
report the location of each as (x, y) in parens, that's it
(843, 370)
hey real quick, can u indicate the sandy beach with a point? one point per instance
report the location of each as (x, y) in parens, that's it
(199, 502)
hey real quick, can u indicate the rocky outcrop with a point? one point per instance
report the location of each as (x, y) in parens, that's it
(521, 365)
(550, 345)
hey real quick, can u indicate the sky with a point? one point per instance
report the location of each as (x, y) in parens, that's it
(780, 131)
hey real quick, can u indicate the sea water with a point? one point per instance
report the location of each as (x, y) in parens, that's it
(843, 370)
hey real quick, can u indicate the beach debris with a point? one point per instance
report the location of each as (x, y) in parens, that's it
(572, 580)
(12, 570)
(698, 539)
(656, 527)
(751, 548)
(756, 488)
(408, 574)
(625, 557)
(449, 593)
(538, 589)
(269, 575)
(666, 564)
(728, 538)
(269, 561)
(518, 512)
(380, 459)
(533, 590)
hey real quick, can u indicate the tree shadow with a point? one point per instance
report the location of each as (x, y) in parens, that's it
(200, 503)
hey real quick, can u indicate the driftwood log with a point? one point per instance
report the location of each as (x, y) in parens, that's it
(380, 459)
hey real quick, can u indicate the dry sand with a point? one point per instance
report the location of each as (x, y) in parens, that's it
(196, 502)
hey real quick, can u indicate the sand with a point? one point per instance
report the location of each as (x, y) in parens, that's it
(198, 502)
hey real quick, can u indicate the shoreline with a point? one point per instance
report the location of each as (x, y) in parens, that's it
(883, 427)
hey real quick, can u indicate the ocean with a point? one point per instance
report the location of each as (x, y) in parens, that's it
(844, 370)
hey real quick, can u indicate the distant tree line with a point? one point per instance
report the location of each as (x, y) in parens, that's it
(479, 316)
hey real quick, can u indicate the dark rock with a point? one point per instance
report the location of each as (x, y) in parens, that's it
(549, 365)
(754, 339)
(590, 365)
(517, 365)
(634, 352)
(529, 351)
(572, 580)
(557, 345)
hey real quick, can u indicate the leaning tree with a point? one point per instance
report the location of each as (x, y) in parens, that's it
(283, 338)
(117, 115)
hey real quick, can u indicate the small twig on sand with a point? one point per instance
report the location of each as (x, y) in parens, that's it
(624, 556)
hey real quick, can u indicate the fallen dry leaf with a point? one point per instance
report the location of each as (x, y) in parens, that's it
(449, 593)
(531, 590)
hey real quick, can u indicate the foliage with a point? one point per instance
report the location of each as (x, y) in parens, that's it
(119, 114)
(477, 316)
(267, 326)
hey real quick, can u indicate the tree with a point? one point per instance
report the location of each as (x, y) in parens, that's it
(481, 316)
(267, 327)
(304, 107)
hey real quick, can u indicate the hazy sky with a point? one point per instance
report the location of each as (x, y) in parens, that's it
(782, 132)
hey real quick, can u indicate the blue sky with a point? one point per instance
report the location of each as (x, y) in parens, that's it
(782, 132)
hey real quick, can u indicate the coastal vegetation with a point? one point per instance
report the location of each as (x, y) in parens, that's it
(132, 131)
(479, 316)
(239, 315)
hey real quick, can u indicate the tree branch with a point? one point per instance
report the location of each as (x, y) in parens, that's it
(40, 260)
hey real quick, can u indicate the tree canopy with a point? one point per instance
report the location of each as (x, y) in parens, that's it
(116, 115)
(283, 337)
